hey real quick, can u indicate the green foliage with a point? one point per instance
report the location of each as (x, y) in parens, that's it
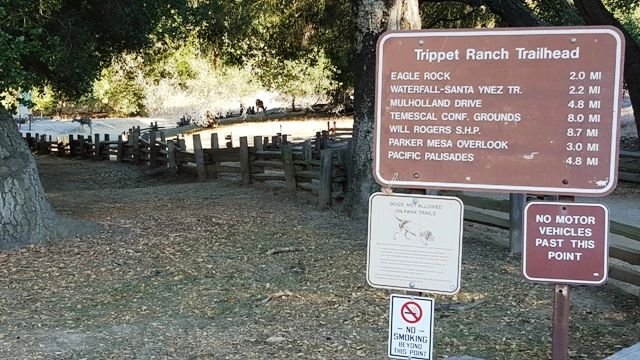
(455, 15)
(555, 12)
(44, 100)
(628, 13)
(120, 86)
(272, 32)
(311, 75)
(65, 43)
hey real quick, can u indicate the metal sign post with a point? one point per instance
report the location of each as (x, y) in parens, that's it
(565, 243)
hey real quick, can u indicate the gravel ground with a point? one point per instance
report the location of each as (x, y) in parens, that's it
(181, 270)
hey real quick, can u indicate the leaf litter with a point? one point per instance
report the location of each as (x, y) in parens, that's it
(212, 270)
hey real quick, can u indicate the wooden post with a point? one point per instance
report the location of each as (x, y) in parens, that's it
(171, 156)
(182, 144)
(326, 170)
(199, 155)
(265, 143)
(136, 145)
(153, 149)
(285, 139)
(257, 143)
(245, 167)
(81, 146)
(318, 144)
(96, 146)
(289, 168)
(44, 145)
(29, 140)
(60, 146)
(215, 144)
(325, 139)
(120, 154)
(307, 153)
(106, 155)
(516, 218)
(275, 142)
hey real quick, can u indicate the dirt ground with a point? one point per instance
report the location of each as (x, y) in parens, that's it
(181, 270)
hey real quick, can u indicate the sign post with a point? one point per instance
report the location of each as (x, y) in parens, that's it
(529, 110)
(565, 243)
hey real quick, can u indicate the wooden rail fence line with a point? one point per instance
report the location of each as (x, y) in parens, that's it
(320, 166)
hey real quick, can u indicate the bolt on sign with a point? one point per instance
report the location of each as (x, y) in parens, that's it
(494, 109)
(415, 242)
(566, 243)
(411, 327)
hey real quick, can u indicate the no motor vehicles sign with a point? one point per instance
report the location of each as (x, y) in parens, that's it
(566, 243)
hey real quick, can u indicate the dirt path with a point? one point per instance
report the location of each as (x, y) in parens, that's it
(181, 270)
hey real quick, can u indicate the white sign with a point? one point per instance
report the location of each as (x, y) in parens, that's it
(411, 327)
(415, 242)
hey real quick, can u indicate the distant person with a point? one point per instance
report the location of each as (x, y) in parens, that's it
(260, 105)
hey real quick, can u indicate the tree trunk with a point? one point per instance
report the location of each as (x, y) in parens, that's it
(372, 18)
(513, 12)
(595, 13)
(25, 213)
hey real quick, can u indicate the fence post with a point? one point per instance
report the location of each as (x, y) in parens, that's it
(215, 144)
(199, 155)
(153, 150)
(96, 146)
(516, 217)
(136, 146)
(60, 146)
(257, 143)
(82, 145)
(245, 167)
(171, 157)
(120, 154)
(307, 152)
(44, 145)
(107, 154)
(289, 168)
(318, 143)
(326, 170)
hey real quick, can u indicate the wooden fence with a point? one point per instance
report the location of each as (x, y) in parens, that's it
(320, 166)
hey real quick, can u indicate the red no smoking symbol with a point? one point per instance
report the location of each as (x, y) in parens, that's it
(411, 312)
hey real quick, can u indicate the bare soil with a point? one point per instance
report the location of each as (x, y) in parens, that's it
(181, 269)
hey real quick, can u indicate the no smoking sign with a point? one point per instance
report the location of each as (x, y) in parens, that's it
(411, 312)
(411, 327)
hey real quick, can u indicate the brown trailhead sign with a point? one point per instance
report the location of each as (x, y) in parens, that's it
(566, 243)
(514, 110)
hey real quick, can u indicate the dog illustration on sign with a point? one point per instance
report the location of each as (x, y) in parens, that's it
(410, 231)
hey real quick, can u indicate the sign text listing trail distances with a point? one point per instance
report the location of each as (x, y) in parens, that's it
(494, 109)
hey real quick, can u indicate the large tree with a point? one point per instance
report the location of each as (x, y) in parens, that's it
(372, 18)
(63, 43)
(595, 13)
